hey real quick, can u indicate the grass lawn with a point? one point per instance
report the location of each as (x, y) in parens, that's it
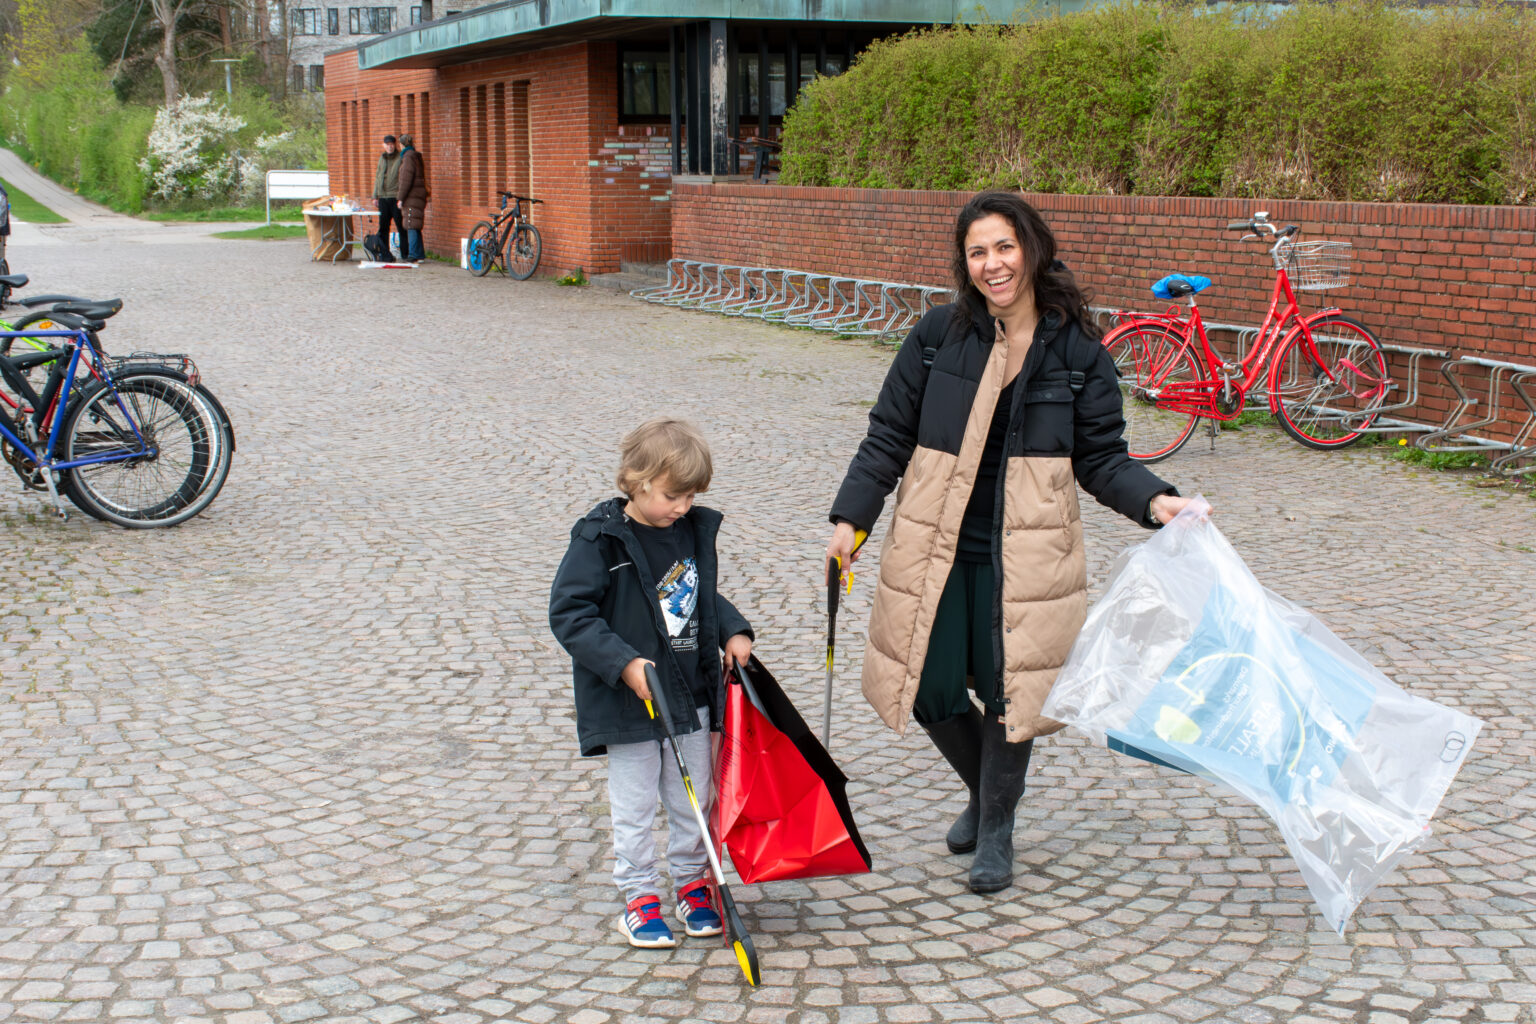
(265, 231)
(24, 207)
(280, 211)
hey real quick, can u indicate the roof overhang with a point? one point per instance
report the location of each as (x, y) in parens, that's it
(516, 26)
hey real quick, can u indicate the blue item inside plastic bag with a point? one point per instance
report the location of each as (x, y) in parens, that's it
(1221, 704)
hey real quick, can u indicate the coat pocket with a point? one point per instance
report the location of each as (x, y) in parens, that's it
(1047, 426)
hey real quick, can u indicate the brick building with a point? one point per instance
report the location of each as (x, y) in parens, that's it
(592, 106)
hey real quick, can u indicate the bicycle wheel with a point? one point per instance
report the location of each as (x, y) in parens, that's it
(482, 248)
(163, 486)
(1148, 357)
(37, 321)
(220, 431)
(1325, 404)
(523, 251)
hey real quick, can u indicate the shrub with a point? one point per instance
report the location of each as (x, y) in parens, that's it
(1358, 99)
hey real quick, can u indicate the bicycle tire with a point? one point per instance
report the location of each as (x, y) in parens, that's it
(1149, 356)
(481, 250)
(30, 319)
(523, 251)
(163, 489)
(222, 431)
(1312, 399)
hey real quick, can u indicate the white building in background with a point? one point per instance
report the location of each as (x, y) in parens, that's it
(316, 27)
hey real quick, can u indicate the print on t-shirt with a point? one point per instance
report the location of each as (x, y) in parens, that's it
(678, 591)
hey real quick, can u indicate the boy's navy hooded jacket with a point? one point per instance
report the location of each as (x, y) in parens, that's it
(603, 609)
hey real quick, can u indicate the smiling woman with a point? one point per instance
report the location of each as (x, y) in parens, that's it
(990, 410)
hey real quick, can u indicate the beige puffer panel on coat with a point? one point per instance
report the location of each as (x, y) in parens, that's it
(1044, 570)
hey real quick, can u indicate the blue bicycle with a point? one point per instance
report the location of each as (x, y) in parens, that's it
(133, 448)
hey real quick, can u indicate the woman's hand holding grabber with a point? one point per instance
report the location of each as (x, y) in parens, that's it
(843, 547)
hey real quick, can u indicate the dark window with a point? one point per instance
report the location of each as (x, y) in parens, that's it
(317, 77)
(306, 21)
(415, 15)
(645, 83)
(296, 78)
(750, 104)
(333, 21)
(367, 21)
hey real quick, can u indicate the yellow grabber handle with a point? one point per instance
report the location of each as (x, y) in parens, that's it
(741, 942)
(834, 572)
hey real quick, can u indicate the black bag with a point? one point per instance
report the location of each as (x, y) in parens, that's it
(373, 247)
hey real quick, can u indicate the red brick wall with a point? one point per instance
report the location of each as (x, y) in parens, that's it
(1461, 278)
(567, 148)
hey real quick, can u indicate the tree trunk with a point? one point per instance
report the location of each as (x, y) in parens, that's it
(166, 13)
(226, 37)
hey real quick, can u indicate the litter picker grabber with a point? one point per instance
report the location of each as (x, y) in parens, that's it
(741, 942)
(834, 585)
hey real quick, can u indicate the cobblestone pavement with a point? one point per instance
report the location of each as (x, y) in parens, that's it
(311, 756)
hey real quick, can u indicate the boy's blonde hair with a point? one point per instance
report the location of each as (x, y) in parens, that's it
(664, 447)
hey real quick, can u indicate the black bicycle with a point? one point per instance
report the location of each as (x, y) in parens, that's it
(508, 230)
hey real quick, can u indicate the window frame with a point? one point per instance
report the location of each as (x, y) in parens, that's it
(659, 55)
(300, 17)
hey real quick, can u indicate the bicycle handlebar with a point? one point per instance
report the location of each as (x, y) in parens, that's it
(1242, 225)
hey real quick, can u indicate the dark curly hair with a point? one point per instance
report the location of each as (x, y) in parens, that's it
(1055, 288)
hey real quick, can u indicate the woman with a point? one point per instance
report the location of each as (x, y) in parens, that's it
(989, 411)
(413, 194)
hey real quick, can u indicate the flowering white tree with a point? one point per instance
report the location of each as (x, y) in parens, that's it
(189, 150)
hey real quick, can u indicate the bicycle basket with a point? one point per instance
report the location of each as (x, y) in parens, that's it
(1319, 266)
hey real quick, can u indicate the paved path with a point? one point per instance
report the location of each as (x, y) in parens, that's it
(89, 221)
(310, 756)
(60, 200)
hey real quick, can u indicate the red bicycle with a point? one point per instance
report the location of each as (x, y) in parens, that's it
(1324, 375)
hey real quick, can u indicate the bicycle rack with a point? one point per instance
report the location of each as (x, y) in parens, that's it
(1524, 444)
(883, 309)
(1389, 424)
(655, 292)
(1460, 434)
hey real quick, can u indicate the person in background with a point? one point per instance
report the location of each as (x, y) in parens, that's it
(386, 182)
(413, 194)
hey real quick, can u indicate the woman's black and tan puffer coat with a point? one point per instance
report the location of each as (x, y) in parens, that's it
(928, 429)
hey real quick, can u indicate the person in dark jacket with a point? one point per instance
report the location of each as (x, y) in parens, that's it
(413, 195)
(637, 588)
(386, 185)
(991, 409)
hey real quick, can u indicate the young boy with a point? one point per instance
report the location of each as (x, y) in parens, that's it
(637, 587)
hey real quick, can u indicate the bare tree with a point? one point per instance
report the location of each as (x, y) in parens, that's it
(166, 13)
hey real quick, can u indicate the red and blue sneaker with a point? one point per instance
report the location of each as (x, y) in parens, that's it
(643, 926)
(697, 911)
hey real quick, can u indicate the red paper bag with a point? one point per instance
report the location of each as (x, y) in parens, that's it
(781, 804)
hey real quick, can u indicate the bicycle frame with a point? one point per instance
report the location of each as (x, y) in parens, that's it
(60, 401)
(1221, 395)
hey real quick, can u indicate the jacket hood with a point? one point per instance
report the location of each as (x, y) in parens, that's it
(608, 517)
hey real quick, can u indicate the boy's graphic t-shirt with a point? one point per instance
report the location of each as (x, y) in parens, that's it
(669, 553)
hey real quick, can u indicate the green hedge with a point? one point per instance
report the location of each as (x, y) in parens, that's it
(1351, 101)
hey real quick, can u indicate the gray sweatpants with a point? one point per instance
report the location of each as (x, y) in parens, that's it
(639, 773)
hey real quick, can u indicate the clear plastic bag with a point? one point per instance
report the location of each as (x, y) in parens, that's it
(1188, 661)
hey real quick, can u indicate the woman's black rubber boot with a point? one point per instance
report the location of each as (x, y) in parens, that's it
(1003, 767)
(959, 740)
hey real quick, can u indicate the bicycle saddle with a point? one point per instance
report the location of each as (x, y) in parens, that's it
(95, 309)
(86, 319)
(1178, 285)
(33, 301)
(14, 281)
